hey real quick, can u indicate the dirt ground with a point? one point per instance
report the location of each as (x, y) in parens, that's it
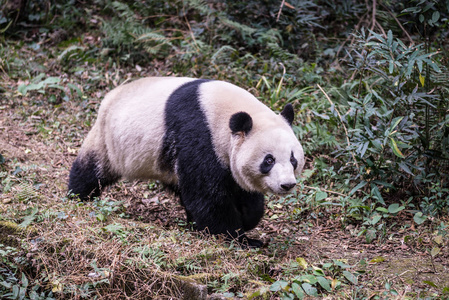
(30, 139)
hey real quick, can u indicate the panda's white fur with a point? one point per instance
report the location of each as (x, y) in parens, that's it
(131, 139)
(130, 128)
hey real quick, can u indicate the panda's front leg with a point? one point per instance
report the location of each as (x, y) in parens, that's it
(251, 207)
(219, 216)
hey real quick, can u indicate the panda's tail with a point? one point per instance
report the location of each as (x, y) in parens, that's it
(88, 177)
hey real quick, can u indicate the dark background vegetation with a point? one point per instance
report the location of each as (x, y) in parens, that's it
(369, 81)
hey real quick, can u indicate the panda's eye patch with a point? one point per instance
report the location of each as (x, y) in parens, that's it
(293, 161)
(267, 164)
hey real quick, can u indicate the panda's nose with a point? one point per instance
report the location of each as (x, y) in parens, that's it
(287, 186)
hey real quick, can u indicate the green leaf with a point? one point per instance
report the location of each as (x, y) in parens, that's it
(390, 37)
(358, 187)
(308, 278)
(318, 271)
(51, 80)
(435, 251)
(395, 208)
(382, 209)
(22, 89)
(75, 88)
(323, 116)
(377, 259)
(101, 217)
(375, 219)
(341, 264)
(34, 86)
(27, 220)
(404, 167)
(320, 195)
(435, 16)
(370, 235)
(278, 285)
(302, 262)
(376, 193)
(421, 18)
(296, 288)
(350, 277)
(395, 123)
(395, 148)
(15, 291)
(430, 283)
(309, 289)
(419, 218)
(324, 283)
(257, 293)
(391, 67)
(115, 228)
(24, 281)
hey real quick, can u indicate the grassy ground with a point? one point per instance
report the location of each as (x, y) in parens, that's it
(133, 242)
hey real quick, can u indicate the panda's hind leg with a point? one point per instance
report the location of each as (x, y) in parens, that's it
(88, 178)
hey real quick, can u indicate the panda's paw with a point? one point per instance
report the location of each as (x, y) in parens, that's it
(246, 242)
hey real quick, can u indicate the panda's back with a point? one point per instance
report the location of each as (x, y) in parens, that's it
(134, 116)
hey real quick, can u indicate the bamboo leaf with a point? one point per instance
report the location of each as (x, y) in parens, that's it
(395, 123)
(394, 147)
(358, 187)
(350, 277)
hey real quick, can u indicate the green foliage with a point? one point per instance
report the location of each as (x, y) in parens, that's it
(14, 282)
(106, 208)
(300, 280)
(393, 138)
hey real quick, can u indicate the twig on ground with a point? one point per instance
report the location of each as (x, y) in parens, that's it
(327, 191)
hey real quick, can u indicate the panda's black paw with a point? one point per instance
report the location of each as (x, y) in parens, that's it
(246, 242)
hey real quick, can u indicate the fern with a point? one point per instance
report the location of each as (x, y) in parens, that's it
(222, 54)
(199, 5)
(126, 33)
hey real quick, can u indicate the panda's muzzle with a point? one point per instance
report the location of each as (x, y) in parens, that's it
(287, 186)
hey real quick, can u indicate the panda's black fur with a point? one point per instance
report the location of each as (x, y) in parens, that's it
(212, 198)
(210, 195)
(86, 179)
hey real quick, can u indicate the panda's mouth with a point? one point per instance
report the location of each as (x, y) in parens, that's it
(279, 192)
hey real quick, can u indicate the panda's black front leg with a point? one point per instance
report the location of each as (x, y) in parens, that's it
(250, 243)
(251, 207)
(220, 217)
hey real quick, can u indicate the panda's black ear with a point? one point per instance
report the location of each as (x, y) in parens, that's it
(241, 122)
(288, 113)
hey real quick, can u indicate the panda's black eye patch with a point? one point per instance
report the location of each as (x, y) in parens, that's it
(293, 161)
(267, 164)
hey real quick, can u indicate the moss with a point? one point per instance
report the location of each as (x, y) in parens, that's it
(415, 272)
(11, 233)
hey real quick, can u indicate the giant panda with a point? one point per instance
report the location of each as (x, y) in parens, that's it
(215, 143)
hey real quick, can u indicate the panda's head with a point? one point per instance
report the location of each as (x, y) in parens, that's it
(265, 154)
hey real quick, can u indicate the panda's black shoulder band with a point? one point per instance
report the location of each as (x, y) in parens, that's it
(241, 122)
